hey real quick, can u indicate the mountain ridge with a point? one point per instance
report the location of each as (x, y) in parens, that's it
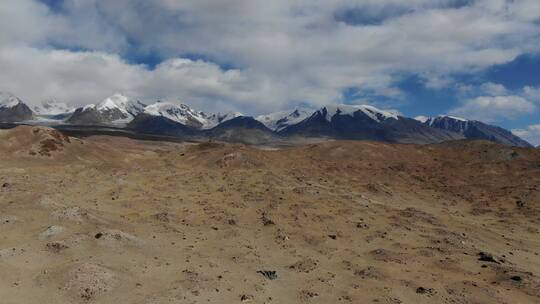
(337, 121)
(473, 129)
(117, 108)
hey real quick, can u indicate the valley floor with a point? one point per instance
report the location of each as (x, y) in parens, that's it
(115, 220)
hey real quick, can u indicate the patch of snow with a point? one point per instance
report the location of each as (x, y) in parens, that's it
(185, 115)
(216, 119)
(431, 120)
(371, 111)
(422, 118)
(454, 118)
(176, 112)
(8, 100)
(280, 120)
(52, 107)
(120, 102)
(89, 106)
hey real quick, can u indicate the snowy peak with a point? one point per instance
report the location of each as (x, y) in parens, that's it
(12, 109)
(51, 107)
(440, 118)
(472, 129)
(446, 122)
(422, 118)
(185, 115)
(117, 109)
(280, 120)
(180, 113)
(120, 102)
(216, 119)
(8, 100)
(372, 112)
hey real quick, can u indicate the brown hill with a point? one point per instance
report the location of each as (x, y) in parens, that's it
(335, 222)
(26, 140)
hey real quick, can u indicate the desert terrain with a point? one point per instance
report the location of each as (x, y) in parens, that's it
(114, 220)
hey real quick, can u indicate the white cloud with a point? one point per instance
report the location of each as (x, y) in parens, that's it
(285, 51)
(532, 92)
(531, 134)
(87, 77)
(492, 108)
(493, 89)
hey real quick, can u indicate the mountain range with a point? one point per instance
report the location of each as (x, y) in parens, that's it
(346, 122)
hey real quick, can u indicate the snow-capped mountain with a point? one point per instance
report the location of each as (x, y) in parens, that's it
(219, 118)
(451, 123)
(350, 110)
(13, 109)
(472, 129)
(117, 109)
(352, 122)
(53, 110)
(8, 100)
(185, 115)
(242, 129)
(52, 107)
(365, 122)
(280, 120)
(179, 113)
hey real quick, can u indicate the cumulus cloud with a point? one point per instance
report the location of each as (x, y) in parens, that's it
(282, 52)
(493, 89)
(492, 108)
(531, 134)
(532, 92)
(88, 77)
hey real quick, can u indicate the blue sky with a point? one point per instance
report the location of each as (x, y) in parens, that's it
(472, 58)
(522, 72)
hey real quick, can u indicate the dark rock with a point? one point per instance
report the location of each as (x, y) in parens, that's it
(246, 298)
(269, 274)
(98, 235)
(362, 225)
(516, 278)
(266, 221)
(422, 290)
(486, 257)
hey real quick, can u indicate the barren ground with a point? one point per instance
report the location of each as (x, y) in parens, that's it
(113, 220)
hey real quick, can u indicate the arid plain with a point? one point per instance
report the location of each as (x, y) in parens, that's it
(115, 220)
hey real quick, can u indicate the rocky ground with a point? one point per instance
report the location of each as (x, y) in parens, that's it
(114, 220)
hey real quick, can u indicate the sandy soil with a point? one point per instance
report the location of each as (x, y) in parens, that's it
(113, 220)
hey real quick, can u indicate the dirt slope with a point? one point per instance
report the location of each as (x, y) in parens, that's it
(112, 220)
